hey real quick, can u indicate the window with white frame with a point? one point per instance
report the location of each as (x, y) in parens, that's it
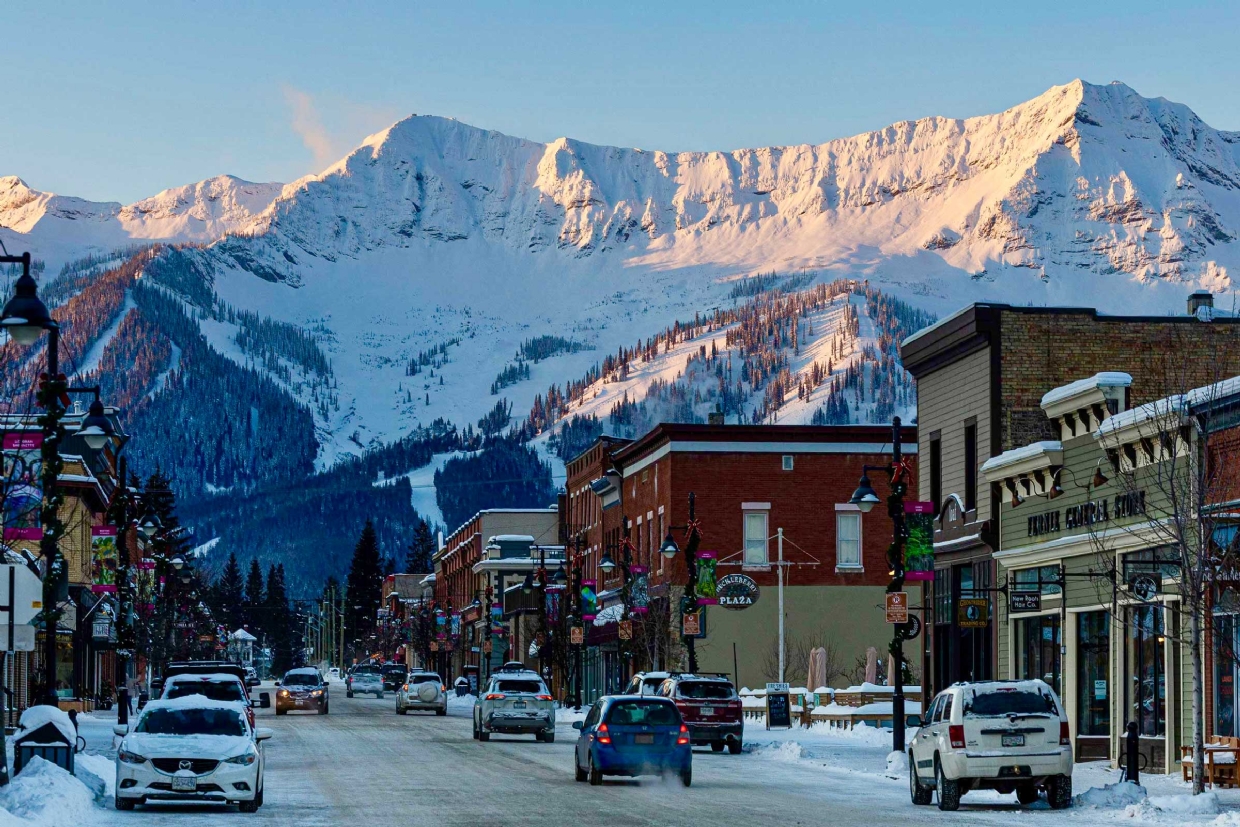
(755, 538)
(847, 538)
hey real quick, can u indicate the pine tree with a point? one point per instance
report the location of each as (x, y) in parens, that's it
(227, 595)
(254, 604)
(364, 586)
(281, 625)
(172, 540)
(421, 550)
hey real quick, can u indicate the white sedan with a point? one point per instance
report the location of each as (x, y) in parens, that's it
(191, 749)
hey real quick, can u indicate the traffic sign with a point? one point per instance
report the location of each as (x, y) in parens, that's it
(625, 630)
(692, 622)
(575, 635)
(897, 607)
(973, 613)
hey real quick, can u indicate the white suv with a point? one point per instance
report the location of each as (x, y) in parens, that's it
(1010, 736)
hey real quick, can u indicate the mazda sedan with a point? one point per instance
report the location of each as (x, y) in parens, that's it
(632, 735)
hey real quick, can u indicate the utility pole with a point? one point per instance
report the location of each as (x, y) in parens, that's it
(780, 580)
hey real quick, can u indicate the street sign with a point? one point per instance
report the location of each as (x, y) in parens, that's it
(486, 647)
(897, 607)
(434, 646)
(1024, 602)
(973, 613)
(575, 635)
(625, 630)
(692, 623)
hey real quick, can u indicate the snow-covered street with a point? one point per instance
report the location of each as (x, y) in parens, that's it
(363, 762)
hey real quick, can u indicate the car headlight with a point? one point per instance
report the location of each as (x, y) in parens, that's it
(316, 693)
(128, 757)
(283, 693)
(245, 758)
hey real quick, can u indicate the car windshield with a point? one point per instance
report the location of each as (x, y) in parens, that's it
(394, 670)
(301, 679)
(366, 670)
(1009, 702)
(705, 690)
(529, 687)
(192, 722)
(639, 713)
(425, 679)
(215, 690)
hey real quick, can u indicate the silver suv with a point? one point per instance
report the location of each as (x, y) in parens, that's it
(422, 690)
(516, 701)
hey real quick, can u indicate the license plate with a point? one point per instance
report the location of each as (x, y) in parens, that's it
(643, 739)
(184, 784)
(1013, 740)
(708, 710)
(519, 705)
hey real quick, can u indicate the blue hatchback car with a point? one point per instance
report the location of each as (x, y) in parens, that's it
(632, 735)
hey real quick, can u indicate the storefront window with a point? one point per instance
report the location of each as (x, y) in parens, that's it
(1093, 656)
(1147, 670)
(1038, 643)
(1027, 580)
(1224, 675)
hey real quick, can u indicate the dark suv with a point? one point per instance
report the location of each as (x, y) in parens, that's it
(710, 707)
(393, 675)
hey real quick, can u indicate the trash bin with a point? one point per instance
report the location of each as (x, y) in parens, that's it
(48, 733)
(462, 687)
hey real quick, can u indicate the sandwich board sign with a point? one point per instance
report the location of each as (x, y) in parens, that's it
(778, 706)
(21, 599)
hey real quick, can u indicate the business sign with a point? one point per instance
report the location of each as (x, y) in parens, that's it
(1019, 602)
(973, 613)
(589, 600)
(23, 492)
(737, 591)
(639, 590)
(1145, 586)
(1120, 507)
(778, 709)
(919, 547)
(897, 607)
(707, 588)
(103, 558)
(910, 630)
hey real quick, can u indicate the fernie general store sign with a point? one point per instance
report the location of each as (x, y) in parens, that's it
(1119, 507)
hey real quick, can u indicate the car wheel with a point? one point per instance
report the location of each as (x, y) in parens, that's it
(596, 775)
(348, 693)
(717, 746)
(379, 695)
(538, 736)
(548, 737)
(1026, 793)
(475, 730)
(280, 711)
(948, 791)
(128, 803)
(400, 710)
(443, 710)
(248, 806)
(578, 773)
(1059, 792)
(734, 747)
(686, 776)
(920, 793)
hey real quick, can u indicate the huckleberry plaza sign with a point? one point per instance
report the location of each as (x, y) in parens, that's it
(1121, 506)
(737, 591)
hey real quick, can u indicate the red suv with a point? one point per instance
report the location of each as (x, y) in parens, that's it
(710, 707)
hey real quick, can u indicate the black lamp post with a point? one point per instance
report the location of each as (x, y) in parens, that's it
(669, 550)
(608, 564)
(865, 498)
(123, 518)
(25, 317)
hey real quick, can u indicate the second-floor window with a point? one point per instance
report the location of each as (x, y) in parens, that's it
(755, 538)
(936, 471)
(848, 539)
(970, 466)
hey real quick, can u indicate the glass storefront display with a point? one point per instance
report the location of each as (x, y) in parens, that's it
(1038, 643)
(1225, 668)
(1147, 670)
(1093, 640)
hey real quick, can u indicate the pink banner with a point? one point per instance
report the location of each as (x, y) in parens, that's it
(23, 488)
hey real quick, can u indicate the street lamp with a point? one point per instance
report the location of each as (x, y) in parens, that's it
(25, 315)
(150, 525)
(669, 549)
(96, 429)
(865, 498)
(606, 563)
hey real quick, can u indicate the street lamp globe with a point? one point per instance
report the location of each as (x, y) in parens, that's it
(25, 315)
(528, 585)
(606, 564)
(865, 498)
(95, 429)
(669, 549)
(560, 577)
(150, 525)
(178, 563)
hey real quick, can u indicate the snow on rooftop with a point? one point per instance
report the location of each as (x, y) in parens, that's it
(1205, 397)
(931, 328)
(1022, 453)
(512, 538)
(1105, 379)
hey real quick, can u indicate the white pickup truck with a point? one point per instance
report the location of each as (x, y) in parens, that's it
(364, 680)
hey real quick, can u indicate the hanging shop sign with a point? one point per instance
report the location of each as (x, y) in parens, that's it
(23, 492)
(919, 547)
(1019, 602)
(707, 588)
(973, 613)
(639, 590)
(103, 558)
(1145, 586)
(589, 600)
(910, 630)
(737, 591)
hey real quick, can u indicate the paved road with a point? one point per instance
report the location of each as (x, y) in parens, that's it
(364, 765)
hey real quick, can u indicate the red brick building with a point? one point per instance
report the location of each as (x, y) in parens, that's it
(749, 482)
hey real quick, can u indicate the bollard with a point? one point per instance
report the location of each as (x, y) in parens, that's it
(1132, 771)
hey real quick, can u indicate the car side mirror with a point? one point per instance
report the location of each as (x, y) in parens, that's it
(120, 730)
(913, 721)
(263, 733)
(277, 683)
(578, 725)
(264, 700)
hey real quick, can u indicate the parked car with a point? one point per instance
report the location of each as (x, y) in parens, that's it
(216, 686)
(710, 707)
(516, 701)
(394, 675)
(302, 689)
(165, 756)
(422, 690)
(251, 676)
(646, 683)
(631, 735)
(1010, 736)
(197, 667)
(364, 679)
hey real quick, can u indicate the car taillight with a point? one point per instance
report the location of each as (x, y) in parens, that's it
(404, 687)
(494, 696)
(1065, 737)
(955, 734)
(683, 738)
(542, 697)
(602, 734)
(443, 688)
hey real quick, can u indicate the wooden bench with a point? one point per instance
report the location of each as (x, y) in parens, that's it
(1221, 754)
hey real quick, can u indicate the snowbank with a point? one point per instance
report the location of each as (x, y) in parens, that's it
(1204, 804)
(1112, 795)
(897, 765)
(44, 794)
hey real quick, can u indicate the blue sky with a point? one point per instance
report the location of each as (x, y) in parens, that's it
(115, 101)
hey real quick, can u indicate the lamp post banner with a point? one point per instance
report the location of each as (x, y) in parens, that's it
(553, 604)
(919, 547)
(639, 591)
(23, 489)
(456, 624)
(104, 559)
(707, 589)
(589, 600)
